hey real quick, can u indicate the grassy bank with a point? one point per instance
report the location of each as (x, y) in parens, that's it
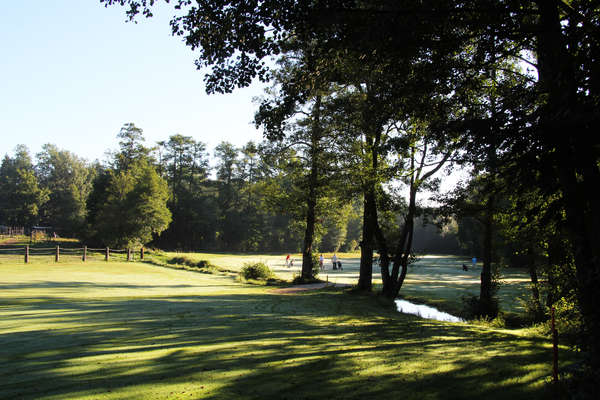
(131, 330)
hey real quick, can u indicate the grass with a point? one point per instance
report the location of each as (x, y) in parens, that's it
(435, 280)
(136, 331)
(438, 281)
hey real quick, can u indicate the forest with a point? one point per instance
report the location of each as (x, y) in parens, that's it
(244, 203)
(368, 102)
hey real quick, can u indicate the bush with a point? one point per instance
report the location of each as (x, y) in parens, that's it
(473, 309)
(568, 320)
(315, 265)
(534, 312)
(496, 322)
(256, 271)
(179, 260)
(203, 265)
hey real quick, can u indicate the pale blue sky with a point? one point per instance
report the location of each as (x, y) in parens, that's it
(73, 72)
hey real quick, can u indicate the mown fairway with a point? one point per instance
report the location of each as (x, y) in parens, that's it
(135, 331)
(438, 280)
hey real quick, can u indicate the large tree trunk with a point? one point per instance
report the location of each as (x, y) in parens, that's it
(311, 200)
(572, 143)
(365, 278)
(404, 246)
(535, 287)
(309, 233)
(370, 223)
(486, 290)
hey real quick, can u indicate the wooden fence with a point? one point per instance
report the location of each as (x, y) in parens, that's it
(84, 253)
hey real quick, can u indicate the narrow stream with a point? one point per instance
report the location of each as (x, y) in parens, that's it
(424, 311)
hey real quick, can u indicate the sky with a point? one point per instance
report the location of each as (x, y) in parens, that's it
(74, 72)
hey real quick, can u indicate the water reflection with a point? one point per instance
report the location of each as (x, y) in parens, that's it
(424, 311)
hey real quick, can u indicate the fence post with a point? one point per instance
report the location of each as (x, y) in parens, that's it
(107, 254)
(84, 253)
(26, 254)
(57, 257)
(128, 254)
(142, 253)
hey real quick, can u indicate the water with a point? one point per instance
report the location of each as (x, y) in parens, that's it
(424, 311)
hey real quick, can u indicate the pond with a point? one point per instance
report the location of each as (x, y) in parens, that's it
(424, 311)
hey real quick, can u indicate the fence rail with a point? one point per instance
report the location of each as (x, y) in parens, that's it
(82, 253)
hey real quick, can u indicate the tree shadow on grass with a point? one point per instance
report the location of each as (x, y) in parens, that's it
(325, 344)
(83, 285)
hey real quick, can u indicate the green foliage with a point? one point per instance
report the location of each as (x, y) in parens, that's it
(256, 271)
(431, 238)
(135, 208)
(568, 319)
(335, 225)
(534, 312)
(202, 265)
(473, 309)
(487, 309)
(21, 196)
(68, 180)
(183, 163)
(496, 322)
(315, 263)
(131, 148)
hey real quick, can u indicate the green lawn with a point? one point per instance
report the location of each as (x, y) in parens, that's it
(436, 280)
(137, 331)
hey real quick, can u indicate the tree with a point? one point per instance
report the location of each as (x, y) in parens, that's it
(294, 122)
(68, 180)
(425, 158)
(128, 202)
(131, 148)
(478, 204)
(229, 222)
(244, 217)
(568, 80)
(20, 195)
(185, 168)
(135, 209)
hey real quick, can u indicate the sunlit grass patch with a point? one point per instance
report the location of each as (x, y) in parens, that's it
(133, 330)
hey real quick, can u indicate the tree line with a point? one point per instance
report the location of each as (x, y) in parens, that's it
(168, 196)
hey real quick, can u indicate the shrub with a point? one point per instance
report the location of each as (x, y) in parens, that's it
(256, 271)
(496, 322)
(473, 309)
(203, 265)
(179, 260)
(315, 265)
(569, 322)
(534, 311)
